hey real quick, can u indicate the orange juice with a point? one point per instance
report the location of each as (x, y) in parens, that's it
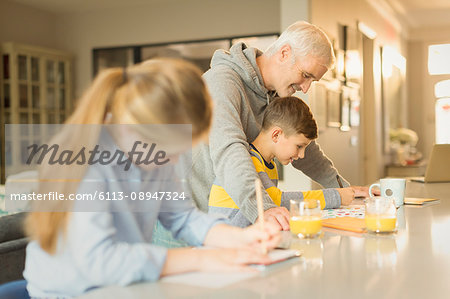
(305, 225)
(380, 223)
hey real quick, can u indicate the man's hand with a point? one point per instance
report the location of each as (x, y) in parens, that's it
(364, 191)
(278, 216)
(347, 195)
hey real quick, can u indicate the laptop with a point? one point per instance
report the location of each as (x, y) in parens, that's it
(438, 169)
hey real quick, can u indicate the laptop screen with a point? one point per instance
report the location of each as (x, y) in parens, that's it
(438, 169)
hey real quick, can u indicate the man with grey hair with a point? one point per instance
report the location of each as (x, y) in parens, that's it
(242, 82)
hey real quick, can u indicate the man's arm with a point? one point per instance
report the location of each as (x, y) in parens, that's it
(319, 167)
(229, 147)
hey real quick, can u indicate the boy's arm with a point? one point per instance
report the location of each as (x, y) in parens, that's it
(329, 198)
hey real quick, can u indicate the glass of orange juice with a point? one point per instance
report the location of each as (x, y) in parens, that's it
(380, 215)
(305, 218)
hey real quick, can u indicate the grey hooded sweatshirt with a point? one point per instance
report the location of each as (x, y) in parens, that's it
(240, 98)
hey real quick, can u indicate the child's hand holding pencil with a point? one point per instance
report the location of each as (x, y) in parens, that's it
(268, 228)
(261, 236)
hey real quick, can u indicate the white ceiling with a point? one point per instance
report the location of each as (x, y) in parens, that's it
(423, 13)
(417, 13)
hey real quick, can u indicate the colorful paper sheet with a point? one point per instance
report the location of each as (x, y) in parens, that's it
(350, 211)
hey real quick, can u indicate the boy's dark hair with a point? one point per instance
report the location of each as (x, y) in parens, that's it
(292, 115)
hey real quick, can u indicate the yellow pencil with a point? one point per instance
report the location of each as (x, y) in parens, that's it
(259, 204)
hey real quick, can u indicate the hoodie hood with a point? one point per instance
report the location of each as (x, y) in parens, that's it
(242, 60)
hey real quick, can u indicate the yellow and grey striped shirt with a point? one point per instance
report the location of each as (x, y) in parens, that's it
(221, 203)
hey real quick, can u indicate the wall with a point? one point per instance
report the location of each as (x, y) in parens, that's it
(160, 22)
(290, 12)
(361, 162)
(24, 24)
(350, 158)
(421, 85)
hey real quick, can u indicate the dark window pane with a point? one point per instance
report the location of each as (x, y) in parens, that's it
(23, 96)
(22, 67)
(61, 77)
(199, 53)
(52, 118)
(260, 42)
(112, 58)
(7, 102)
(7, 118)
(34, 69)
(51, 98)
(23, 118)
(6, 66)
(50, 66)
(35, 97)
(62, 98)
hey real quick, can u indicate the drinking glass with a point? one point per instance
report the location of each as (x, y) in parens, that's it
(305, 218)
(380, 215)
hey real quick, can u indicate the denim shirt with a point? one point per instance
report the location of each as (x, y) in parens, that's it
(113, 247)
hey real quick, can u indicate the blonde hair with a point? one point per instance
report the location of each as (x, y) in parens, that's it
(305, 39)
(158, 91)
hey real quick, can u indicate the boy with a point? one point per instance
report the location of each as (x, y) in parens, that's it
(288, 128)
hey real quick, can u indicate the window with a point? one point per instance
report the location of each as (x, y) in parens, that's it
(442, 93)
(439, 59)
(198, 52)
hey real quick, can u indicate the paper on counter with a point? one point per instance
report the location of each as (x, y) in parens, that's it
(418, 201)
(208, 279)
(222, 279)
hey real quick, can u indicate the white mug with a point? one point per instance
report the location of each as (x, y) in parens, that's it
(391, 188)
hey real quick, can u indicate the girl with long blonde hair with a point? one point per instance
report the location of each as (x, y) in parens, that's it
(73, 251)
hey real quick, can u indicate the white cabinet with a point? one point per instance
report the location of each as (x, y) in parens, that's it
(35, 89)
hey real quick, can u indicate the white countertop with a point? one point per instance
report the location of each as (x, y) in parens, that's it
(413, 263)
